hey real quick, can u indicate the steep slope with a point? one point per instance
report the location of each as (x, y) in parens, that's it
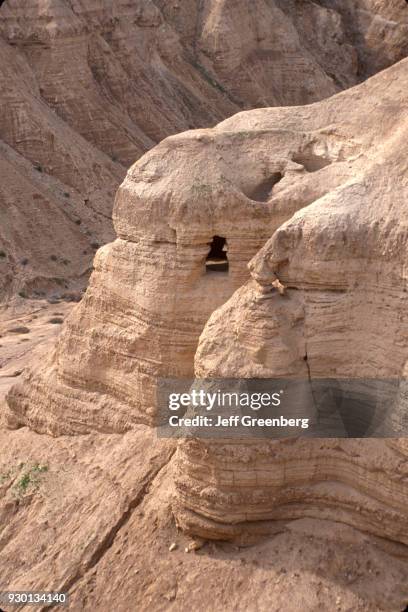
(328, 182)
(87, 89)
(55, 191)
(152, 291)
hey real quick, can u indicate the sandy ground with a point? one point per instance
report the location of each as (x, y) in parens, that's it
(92, 515)
(28, 330)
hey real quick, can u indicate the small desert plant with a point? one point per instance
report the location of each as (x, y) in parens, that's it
(30, 479)
(24, 483)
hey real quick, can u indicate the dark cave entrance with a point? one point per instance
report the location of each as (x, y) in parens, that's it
(217, 258)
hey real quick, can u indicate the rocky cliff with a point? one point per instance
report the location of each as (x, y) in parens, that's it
(87, 89)
(342, 259)
(328, 183)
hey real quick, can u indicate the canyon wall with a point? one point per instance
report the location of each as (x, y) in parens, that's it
(87, 88)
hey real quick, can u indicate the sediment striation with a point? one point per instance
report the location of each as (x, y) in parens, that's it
(342, 260)
(87, 89)
(314, 196)
(151, 292)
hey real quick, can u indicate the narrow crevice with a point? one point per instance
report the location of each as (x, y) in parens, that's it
(306, 360)
(309, 375)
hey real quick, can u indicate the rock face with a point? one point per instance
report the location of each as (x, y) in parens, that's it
(339, 165)
(86, 91)
(152, 292)
(343, 261)
(328, 182)
(96, 512)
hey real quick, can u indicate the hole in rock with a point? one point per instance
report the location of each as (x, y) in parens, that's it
(2, 2)
(217, 258)
(263, 191)
(311, 162)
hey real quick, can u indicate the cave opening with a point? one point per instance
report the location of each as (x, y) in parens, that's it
(263, 191)
(217, 258)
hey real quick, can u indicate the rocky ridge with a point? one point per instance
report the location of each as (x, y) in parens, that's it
(328, 182)
(86, 91)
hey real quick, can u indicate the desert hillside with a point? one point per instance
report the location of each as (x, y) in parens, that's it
(85, 91)
(315, 520)
(199, 190)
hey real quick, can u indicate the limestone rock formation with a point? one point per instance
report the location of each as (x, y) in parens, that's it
(86, 90)
(152, 292)
(95, 510)
(342, 259)
(325, 186)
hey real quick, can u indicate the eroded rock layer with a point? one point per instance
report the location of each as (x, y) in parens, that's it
(152, 292)
(343, 262)
(87, 88)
